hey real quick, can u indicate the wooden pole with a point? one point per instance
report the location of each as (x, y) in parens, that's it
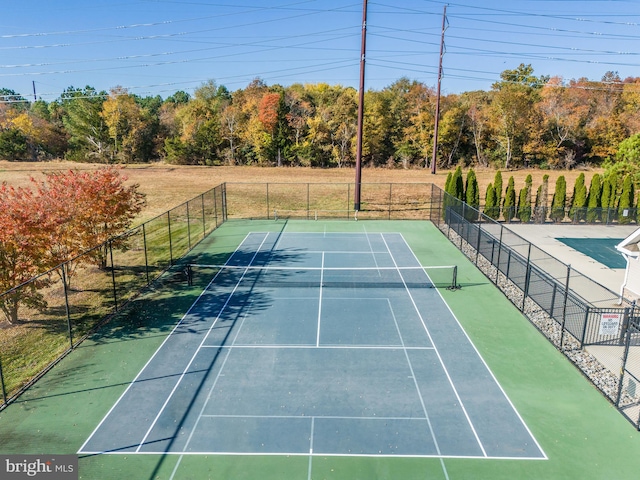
(356, 197)
(435, 128)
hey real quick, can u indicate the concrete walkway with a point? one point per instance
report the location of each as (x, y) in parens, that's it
(545, 237)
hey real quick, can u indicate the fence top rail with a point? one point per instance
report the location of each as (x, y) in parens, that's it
(124, 234)
(329, 183)
(486, 219)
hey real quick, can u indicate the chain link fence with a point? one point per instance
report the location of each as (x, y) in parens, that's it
(58, 309)
(595, 328)
(592, 326)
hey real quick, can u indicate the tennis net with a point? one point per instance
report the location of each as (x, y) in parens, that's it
(444, 276)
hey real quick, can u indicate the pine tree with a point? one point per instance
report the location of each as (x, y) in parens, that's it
(625, 204)
(509, 206)
(447, 183)
(608, 199)
(578, 199)
(594, 199)
(524, 201)
(497, 184)
(458, 184)
(559, 200)
(472, 195)
(491, 208)
(542, 197)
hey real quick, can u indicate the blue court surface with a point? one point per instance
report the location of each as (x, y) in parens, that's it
(335, 345)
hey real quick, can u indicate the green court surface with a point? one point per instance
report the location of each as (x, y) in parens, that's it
(602, 250)
(581, 434)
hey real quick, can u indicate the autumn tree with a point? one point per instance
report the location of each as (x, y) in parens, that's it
(512, 108)
(477, 111)
(24, 236)
(96, 206)
(124, 120)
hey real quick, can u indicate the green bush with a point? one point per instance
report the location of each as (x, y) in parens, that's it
(577, 212)
(559, 200)
(509, 206)
(491, 208)
(625, 204)
(594, 204)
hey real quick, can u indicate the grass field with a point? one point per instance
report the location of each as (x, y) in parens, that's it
(583, 436)
(167, 186)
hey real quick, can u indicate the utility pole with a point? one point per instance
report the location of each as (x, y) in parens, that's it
(35, 98)
(435, 128)
(356, 197)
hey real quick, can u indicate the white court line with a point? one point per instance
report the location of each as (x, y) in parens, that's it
(204, 339)
(485, 363)
(309, 346)
(159, 348)
(320, 302)
(424, 325)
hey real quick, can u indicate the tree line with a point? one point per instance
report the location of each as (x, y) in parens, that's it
(608, 198)
(524, 120)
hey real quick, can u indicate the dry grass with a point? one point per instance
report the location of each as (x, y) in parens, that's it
(167, 186)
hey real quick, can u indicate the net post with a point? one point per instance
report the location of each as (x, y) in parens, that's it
(188, 271)
(2, 385)
(454, 286)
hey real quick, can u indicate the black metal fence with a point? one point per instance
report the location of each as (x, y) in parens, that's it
(75, 297)
(582, 215)
(595, 328)
(580, 317)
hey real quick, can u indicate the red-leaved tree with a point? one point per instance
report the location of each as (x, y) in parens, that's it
(69, 214)
(24, 232)
(96, 206)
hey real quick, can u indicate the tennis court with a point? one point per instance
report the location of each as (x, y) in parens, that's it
(315, 344)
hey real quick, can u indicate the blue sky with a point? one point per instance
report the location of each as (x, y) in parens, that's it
(160, 46)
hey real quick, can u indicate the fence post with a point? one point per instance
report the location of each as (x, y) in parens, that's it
(308, 200)
(113, 277)
(225, 214)
(527, 276)
(499, 251)
(390, 199)
(478, 242)
(625, 357)
(4, 390)
(267, 193)
(564, 305)
(584, 328)
(170, 241)
(66, 303)
(146, 254)
(188, 226)
(204, 222)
